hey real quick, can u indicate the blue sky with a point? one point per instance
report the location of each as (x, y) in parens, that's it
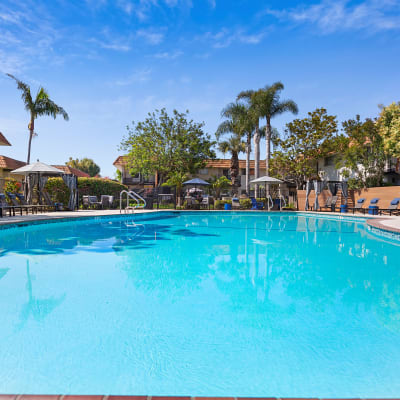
(110, 62)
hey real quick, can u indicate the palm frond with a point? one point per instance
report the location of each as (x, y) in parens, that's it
(45, 106)
(26, 93)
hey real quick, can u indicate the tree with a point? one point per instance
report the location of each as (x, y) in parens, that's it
(240, 121)
(233, 145)
(85, 164)
(305, 141)
(42, 105)
(176, 179)
(219, 183)
(363, 158)
(270, 106)
(164, 144)
(389, 128)
(254, 112)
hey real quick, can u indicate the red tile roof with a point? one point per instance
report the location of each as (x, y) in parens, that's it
(10, 163)
(4, 141)
(72, 171)
(120, 160)
(226, 163)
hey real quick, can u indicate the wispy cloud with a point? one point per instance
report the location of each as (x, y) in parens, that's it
(339, 15)
(139, 76)
(150, 36)
(168, 55)
(225, 37)
(112, 45)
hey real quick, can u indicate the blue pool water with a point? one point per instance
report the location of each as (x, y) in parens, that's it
(221, 304)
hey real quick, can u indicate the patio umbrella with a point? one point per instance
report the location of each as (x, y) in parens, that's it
(268, 180)
(196, 181)
(37, 174)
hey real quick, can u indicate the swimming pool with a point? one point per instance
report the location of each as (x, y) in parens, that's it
(213, 303)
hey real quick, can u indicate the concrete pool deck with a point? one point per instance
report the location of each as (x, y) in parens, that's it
(390, 223)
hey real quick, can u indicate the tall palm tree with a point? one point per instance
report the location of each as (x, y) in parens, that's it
(42, 105)
(241, 122)
(233, 145)
(254, 112)
(269, 106)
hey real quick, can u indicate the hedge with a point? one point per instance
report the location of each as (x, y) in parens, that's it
(59, 191)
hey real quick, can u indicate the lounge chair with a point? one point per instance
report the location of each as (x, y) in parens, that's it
(20, 206)
(330, 204)
(4, 206)
(359, 205)
(50, 203)
(256, 205)
(35, 207)
(235, 203)
(393, 207)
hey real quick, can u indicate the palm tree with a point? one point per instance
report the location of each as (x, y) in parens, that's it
(176, 179)
(218, 184)
(269, 106)
(254, 113)
(233, 145)
(240, 121)
(42, 105)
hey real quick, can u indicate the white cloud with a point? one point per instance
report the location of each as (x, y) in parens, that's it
(225, 37)
(139, 76)
(151, 37)
(168, 55)
(332, 16)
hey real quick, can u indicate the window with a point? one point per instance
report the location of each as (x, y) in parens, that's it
(226, 173)
(203, 171)
(329, 161)
(243, 171)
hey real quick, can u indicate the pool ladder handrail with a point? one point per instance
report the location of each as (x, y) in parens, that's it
(134, 196)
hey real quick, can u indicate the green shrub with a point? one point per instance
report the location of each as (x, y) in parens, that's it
(59, 191)
(245, 203)
(220, 204)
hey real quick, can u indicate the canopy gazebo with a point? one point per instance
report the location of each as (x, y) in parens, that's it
(38, 174)
(269, 180)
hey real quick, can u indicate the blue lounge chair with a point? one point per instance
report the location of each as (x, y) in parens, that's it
(359, 205)
(393, 207)
(256, 205)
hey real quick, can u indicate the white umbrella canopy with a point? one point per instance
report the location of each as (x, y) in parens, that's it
(37, 168)
(266, 179)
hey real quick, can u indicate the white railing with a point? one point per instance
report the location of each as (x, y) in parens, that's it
(282, 201)
(270, 202)
(134, 196)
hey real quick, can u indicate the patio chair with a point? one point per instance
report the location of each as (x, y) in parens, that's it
(393, 207)
(359, 205)
(18, 205)
(206, 202)
(35, 207)
(4, 206)
(330, 204)
(256, 205)
(106, 201)
(235, 203)
(91, 201)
